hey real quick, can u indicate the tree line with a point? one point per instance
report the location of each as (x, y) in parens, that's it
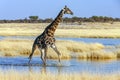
(36, 19)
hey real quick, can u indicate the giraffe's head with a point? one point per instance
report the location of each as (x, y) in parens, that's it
(67, 10)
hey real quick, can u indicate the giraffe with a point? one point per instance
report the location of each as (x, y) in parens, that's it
(47, 39)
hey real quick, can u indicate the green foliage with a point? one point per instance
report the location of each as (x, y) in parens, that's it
(33, 17)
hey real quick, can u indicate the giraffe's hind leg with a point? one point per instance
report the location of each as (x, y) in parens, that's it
(45, 54)
(56, 50)
(33, 49)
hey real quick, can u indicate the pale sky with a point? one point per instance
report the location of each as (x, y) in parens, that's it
(20, 9)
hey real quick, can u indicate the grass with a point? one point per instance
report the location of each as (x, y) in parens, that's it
(70, 49)
(14, 75)
(89, 30)
(79, 50)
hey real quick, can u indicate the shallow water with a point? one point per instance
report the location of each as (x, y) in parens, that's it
(66, 66)
(2, 37)
(104, 41)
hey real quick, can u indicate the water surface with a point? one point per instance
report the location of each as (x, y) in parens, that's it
(66, 66)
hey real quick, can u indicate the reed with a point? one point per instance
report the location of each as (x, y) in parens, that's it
(68, 49)
(14, 75)
(117, 52)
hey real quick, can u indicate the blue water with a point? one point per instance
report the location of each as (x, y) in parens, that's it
(104, 41)
(66, 66)
(2, 37)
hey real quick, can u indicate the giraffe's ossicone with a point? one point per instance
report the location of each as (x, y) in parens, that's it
(46, 39)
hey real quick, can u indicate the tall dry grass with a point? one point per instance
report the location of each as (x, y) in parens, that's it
(94, 30)
(68, 49)
(14, 75)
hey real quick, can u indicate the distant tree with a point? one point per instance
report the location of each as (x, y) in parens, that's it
(48, 20)
(75, 19)
(95, 18)
(117, 19)
(66, 20)
(33, 17)
(40, 21)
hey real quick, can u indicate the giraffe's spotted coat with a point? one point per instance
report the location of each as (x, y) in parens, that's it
(47, 39)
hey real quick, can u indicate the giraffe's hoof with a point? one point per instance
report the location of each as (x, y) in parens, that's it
(59, 64)
(29, 57)
(28, 62)
(44, 64)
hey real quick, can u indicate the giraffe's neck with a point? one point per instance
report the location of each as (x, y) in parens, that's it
(53, 26)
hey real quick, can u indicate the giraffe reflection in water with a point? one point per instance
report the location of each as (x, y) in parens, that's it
(45, 70)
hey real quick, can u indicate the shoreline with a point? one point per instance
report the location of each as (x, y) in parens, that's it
(86, 30)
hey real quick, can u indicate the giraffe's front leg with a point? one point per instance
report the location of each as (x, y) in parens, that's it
(43, 56)
(56, 50)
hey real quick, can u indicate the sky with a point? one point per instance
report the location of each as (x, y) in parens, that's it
(20, 9)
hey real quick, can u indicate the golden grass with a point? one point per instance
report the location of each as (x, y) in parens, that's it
(118, 53)
(14, 75)
(68, 49)
(94, 30)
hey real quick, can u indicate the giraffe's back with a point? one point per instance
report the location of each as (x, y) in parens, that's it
(44, 40)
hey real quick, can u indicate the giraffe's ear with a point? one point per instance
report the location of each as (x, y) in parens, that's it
(65, 6)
